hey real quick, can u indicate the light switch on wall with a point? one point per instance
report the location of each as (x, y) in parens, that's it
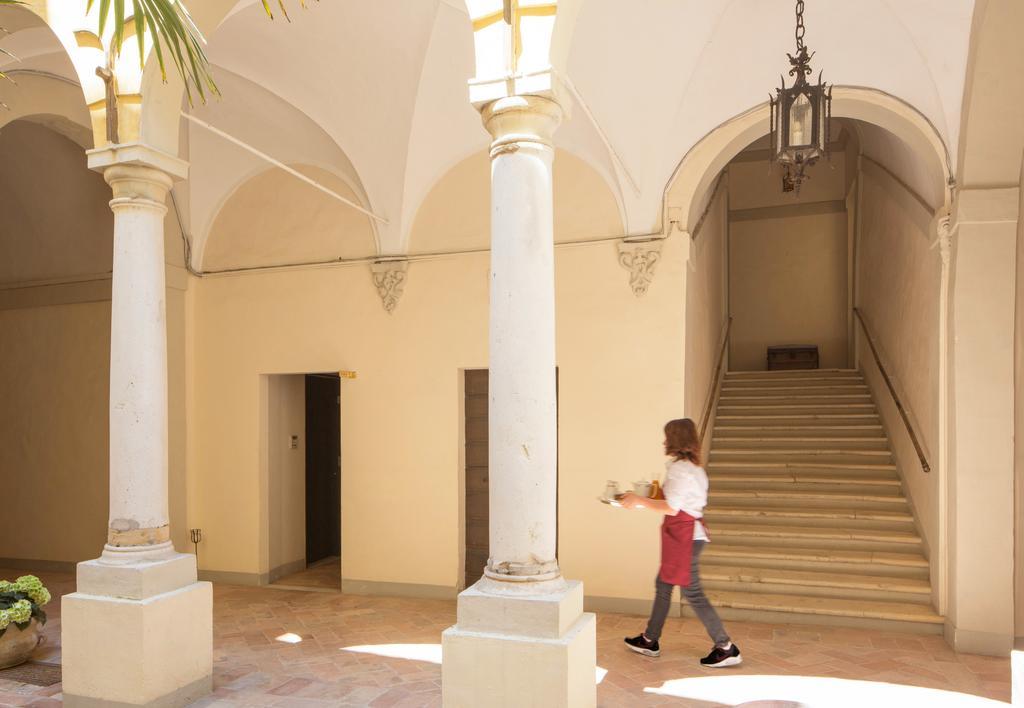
(294, 443)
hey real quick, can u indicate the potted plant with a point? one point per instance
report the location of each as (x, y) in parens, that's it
(21, 618)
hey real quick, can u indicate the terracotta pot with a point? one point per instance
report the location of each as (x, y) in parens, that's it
(17, 645)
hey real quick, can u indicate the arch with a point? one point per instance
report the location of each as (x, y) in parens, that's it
(588, 206)
(160, 120)
(221, 168)
(51, 101)
(264, 185)
(695, 175)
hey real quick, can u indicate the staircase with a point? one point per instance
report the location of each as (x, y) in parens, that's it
(806, 510)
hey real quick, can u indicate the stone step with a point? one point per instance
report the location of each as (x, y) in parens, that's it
(903, 616)
(822, 472)
(885, 588)
(791, 373)
(809, 433)
(798, 442)
(832, 537)
(789, 415)
(726, 408)
(780, 387)
(752, 483)
(822, 499)
(729, 458)
(819, 463)
(818, 455)
(811, 516)
(831, 560)
(792, 398)
(797, 420)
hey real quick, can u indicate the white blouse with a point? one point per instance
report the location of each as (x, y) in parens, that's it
(686, 489)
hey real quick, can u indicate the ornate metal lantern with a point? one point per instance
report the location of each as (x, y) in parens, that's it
(800, 116)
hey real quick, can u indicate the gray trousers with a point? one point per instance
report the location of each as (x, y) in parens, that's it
(694, 595)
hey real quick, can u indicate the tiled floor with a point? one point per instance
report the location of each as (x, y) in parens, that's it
(324, 574)
(259, 663)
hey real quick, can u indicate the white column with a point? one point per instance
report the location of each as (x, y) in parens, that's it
(522, 410)
(138, 365)
(521, 636)
(138, 631)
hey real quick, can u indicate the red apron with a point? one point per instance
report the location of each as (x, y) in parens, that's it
(676, 549)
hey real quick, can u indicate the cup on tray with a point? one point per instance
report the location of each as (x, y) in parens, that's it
(611, 490)
(642, 489)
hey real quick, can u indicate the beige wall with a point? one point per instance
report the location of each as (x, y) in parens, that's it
(1018, 425)
(706, 306)
(285, 400)
(53, 431)
(788, 258)
(56, 219)
(619, 356)
(899, 272)
(55, 349)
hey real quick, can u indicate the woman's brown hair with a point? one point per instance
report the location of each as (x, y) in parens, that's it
(682, 441)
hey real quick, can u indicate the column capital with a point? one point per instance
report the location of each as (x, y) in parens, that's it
(137, 155)
(138, 175)
(514, 120)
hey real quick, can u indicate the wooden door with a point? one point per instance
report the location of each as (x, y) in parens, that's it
(477, 548)
(323, 467)
(477, 515)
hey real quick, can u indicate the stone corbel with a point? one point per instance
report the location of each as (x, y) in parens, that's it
(640, 259)
(389, 278)
(944, 234)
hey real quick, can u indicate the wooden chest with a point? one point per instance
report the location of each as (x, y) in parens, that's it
(793, 356)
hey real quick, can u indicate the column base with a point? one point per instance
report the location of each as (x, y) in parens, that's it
(520, 651)
(156, 650)
(969, 641)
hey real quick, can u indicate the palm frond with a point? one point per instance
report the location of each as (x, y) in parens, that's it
(174, 34)
(4, 51)
(284, 8)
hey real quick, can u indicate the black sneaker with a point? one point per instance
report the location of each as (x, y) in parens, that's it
(642, 645)
(719, 658)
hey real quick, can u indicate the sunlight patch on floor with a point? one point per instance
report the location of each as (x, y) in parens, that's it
(288, 638)
(815, 692)
(430, 653)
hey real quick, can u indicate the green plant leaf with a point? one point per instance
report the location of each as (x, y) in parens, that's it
(3, 631)
(40, 615)
(22, 625)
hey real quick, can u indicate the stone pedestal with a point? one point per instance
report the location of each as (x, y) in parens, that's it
(138, 635)
(520, 650)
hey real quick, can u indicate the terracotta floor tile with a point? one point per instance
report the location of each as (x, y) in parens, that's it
(252, 669)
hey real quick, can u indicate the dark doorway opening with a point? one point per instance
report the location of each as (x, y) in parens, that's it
(323, 468)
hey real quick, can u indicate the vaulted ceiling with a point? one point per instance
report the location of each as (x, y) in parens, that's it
(376, 92)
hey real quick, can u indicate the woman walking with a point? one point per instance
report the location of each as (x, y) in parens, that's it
(683, 537)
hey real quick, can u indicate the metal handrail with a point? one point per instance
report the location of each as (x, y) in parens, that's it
(892, 391)
(713, 386)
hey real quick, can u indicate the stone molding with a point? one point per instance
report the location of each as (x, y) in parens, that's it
(389, 278)
(640, 259)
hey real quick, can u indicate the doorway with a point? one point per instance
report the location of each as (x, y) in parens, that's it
(323, 469)
(304, 480)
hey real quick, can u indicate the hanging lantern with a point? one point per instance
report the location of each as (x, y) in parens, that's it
(800, 116)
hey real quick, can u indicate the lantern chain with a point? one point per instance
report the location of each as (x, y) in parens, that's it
(799, 25)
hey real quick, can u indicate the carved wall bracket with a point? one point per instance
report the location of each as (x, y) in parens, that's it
(640, 259)
(389, 278)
